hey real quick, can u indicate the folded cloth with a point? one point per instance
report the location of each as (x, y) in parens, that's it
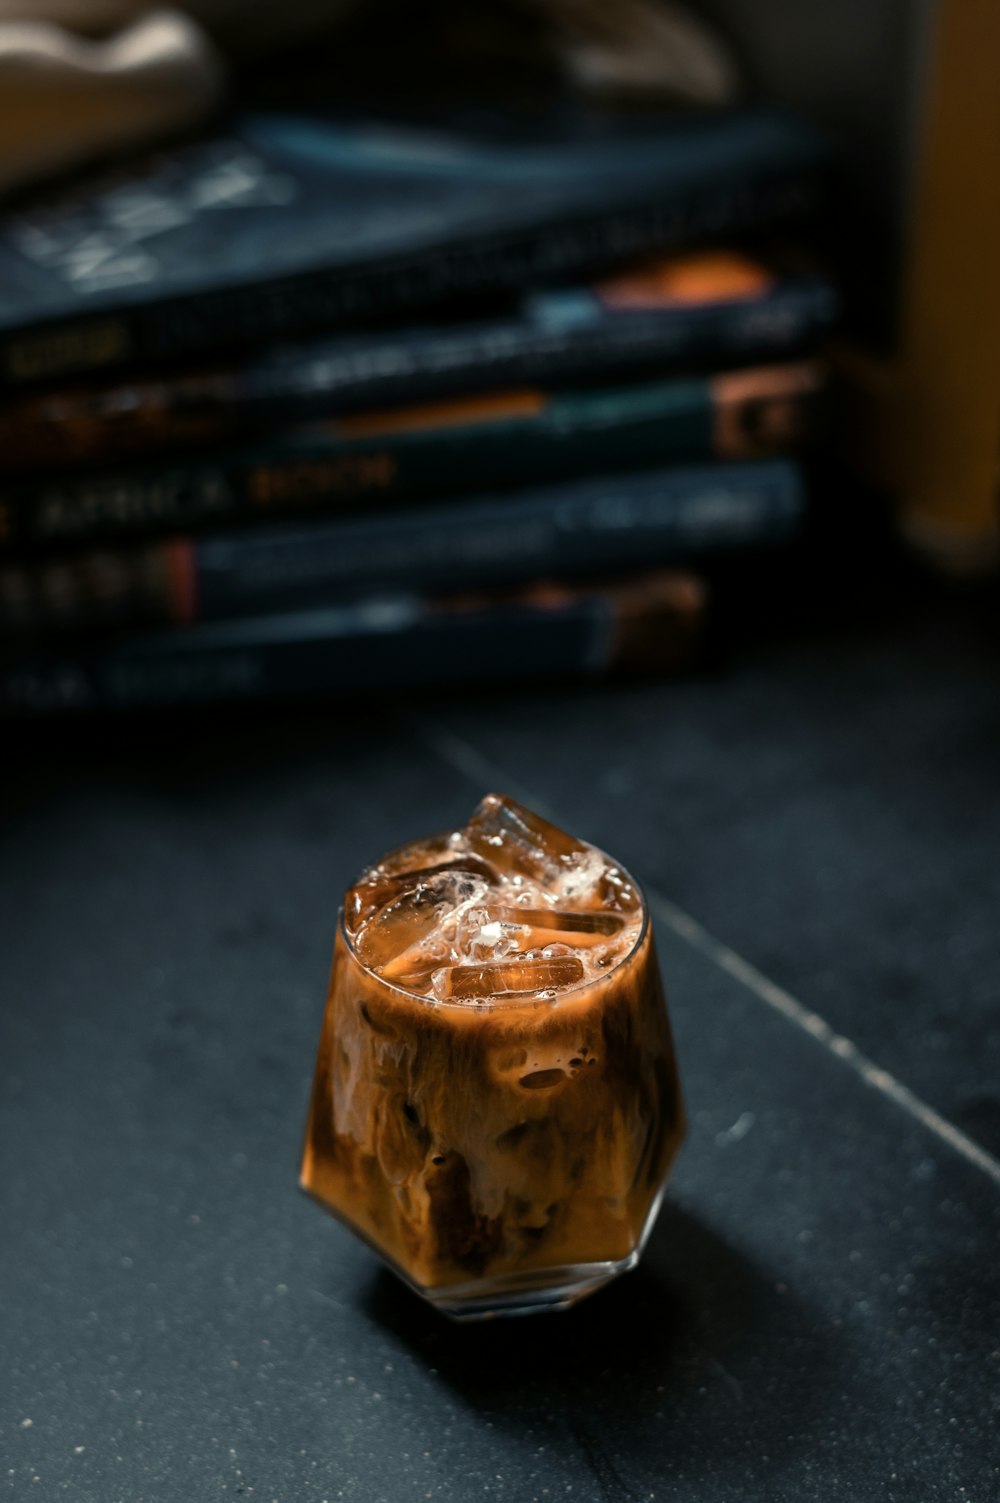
(656, 48)
(238, 27)
(83, 78)
(65, 99)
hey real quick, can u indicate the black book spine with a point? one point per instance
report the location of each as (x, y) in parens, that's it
(397, 645)
(649, 623)
(574, 529)
(482, 357)
(642, 519)
(487, 445)
(560, 338)
(244, 316)
(578, 528)
(201, 490)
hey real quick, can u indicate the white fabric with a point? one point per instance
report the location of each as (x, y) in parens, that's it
(237, 25)
(642, 47)
(65, 99)
(81, 78)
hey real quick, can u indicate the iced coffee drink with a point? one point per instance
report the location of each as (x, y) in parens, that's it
(496, 1103)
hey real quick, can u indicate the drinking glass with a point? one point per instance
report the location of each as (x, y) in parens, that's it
(502, 1154)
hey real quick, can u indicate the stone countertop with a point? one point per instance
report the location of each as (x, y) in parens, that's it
(818, 1312)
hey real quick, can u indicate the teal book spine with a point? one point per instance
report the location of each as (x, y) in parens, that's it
(709, 310)
(444, 449)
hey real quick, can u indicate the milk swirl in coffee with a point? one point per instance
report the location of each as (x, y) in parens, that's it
(495, 1100)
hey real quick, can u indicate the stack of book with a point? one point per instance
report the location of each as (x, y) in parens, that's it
(314, 406)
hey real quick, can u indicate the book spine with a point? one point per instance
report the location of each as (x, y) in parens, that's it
(199, 491)
(292, 306)
(642, 519)
(576, 528)
(654, 626)
(582, 343)
(459, 447)
(82, 426)
(569, 338)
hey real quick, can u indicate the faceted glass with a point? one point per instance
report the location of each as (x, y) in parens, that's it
(496, 1104)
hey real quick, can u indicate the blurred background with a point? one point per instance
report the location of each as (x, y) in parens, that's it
(364, 348)
(598, 403)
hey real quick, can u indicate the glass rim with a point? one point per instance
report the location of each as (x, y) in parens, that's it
(516, 999)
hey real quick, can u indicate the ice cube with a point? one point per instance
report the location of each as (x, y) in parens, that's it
(482, 935)
(383, 883)
(388, 940)
(486, 938)
(397, 927)
(419, 978)
(515, 841)
(616, 891)
(548, 926)
(524, 977)
(458, 861)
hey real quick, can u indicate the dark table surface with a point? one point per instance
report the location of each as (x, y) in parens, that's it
(818, 1312)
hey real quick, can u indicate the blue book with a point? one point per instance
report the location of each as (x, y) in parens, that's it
(285, 225)
(574, 529)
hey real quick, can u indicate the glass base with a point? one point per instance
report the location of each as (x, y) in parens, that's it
(526, 1293)
(532, 1293)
